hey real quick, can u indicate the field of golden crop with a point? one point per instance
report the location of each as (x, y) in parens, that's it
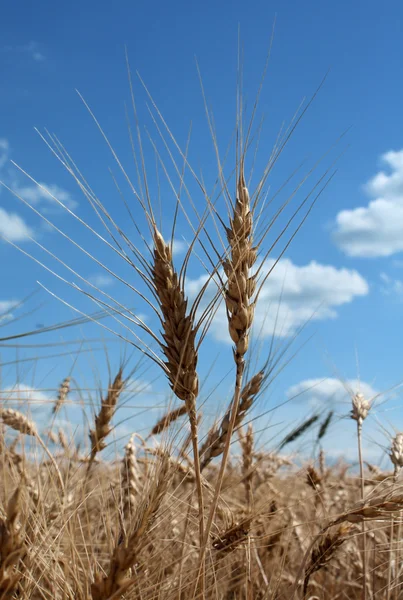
(191, 511)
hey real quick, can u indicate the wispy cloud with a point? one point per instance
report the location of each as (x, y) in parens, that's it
(376, 229)
(391, 286)
(13, 227)
(32, 49)
(101, 280)
(44, 195)
(325, 393)
(50, 193)
(5, 309)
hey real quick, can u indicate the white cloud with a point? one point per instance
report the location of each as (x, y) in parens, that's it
(376, 229)
(179, 247)
(6, 305)
(13, 227)
(101, 280)
(34, 194)
(5, 310)
(391, 286)
(22, 393)
(325, 392)
(291, 296)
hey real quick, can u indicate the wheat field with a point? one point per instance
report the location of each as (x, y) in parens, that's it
(193, 509)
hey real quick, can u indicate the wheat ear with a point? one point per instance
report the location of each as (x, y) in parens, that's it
(104, 417)
(169, 418)
(214, 444)
(324, 552)
(179, 334)
(19, 422)
(12, 548)
(62, 394)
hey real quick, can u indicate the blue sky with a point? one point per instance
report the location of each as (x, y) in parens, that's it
(345, 267)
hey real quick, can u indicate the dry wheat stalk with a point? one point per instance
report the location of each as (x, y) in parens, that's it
(325, 550)
(12, 549)
(167, 419)
(104, 417)
(125, 554)
(313, 479)
(298, 431)
(21, 423)
(62, 394)
(232, 537)
(214, 444)
(359, 412)
(247, 442)
(179, 347)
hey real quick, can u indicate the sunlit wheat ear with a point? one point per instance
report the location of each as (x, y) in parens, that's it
(396, 453)
(360, 408)
(104, 417)
(179, 332)
(241, 284)
(62, 394)
(130, 480)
